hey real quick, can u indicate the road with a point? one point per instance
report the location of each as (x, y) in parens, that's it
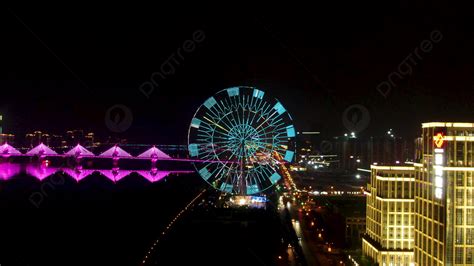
(313, 250)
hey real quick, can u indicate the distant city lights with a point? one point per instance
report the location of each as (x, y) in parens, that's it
(390, 133)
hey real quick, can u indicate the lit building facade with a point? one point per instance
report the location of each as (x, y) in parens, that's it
(37, 137)
(444, 195)
(389, 237)
(7, 138)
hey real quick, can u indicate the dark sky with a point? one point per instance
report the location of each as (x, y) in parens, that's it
(64, 69)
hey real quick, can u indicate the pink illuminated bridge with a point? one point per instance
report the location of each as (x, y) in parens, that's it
(115, 153)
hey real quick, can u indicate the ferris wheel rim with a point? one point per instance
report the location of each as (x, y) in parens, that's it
(245, 175)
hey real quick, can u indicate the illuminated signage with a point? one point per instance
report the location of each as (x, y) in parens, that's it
(438, 141)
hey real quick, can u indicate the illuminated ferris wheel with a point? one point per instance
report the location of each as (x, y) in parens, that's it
(239, 137)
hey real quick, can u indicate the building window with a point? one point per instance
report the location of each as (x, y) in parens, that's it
(469, 197)
(459, 217)
(459, 255)
(459, 179)
(470, 216)
(459, 236)
(469, 236)
(459, 197)
(469, 256)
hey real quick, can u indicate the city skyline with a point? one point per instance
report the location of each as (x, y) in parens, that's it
(316, 74)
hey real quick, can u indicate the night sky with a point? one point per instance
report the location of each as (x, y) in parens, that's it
(64, 70)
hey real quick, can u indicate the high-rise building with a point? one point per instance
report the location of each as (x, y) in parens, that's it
(351, 152)
(37, 137)
(389, 150)
(418, 149)
(442, 220)
(389, 238)
(56, 141)
(74, 137)
(354, 152)
(7, 138)
(89, 139)
(444, 195)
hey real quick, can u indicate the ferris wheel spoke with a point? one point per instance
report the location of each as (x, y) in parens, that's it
(264, 121)
(224, 172)
(266, 109)
(220, 142)
(225, 116)
(204, 133)
(221, 152)
(274, 122)
(221, 137)
(255, 116)
(215, 124)
(209, 156)
(272, 150)
(229, 125)
(232, 122)
(276, 128)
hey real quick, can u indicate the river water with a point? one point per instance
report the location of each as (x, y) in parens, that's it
(57, 220)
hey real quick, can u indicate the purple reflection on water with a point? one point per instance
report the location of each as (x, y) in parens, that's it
(8, 170)
(153, 175)
(77, 173)
(156, 175)
(40, 171)
(115, 174)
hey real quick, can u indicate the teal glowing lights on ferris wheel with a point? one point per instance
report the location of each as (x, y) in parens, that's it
(240, 136)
